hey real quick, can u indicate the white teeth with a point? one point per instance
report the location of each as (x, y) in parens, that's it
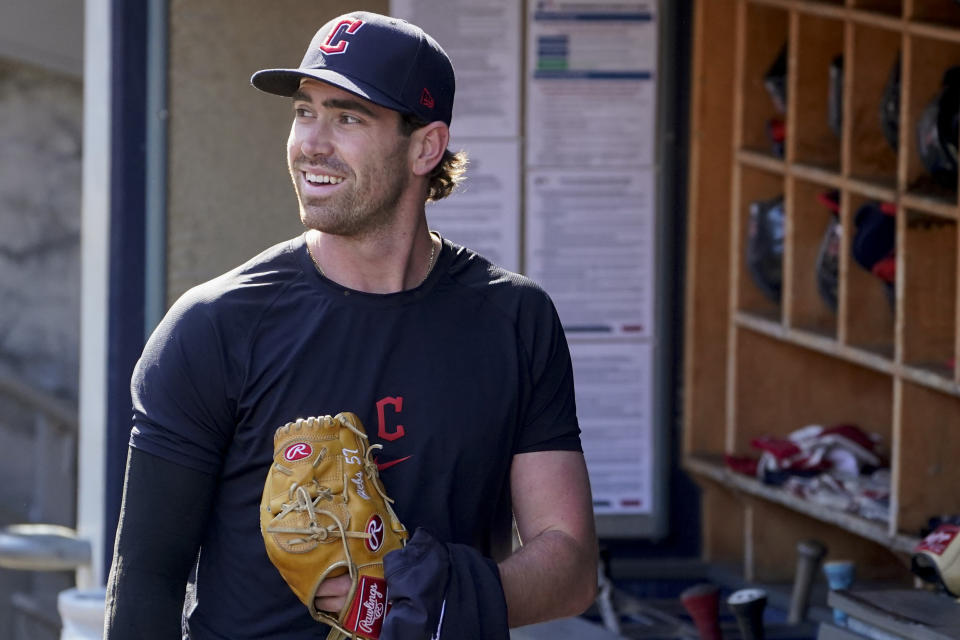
(316, 178)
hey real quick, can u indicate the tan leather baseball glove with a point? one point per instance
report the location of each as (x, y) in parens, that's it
(324, 513)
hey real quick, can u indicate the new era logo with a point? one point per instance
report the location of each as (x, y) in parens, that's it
(427, 100)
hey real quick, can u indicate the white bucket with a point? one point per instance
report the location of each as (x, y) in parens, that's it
(82, 613)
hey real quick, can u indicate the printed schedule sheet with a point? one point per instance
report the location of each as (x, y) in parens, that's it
(590, 214)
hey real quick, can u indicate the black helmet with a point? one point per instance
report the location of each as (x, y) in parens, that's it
(765, 246)
(937, 131)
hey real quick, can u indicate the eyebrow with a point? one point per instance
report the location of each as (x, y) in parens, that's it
(336, 103)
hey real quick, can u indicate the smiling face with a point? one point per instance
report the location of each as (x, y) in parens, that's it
(348, 160)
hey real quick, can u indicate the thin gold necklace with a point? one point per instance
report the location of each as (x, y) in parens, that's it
(433, 255)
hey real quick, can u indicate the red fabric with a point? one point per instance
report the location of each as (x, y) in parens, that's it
(854, 433)
(780, 448)
(886, 269)
(742, 464)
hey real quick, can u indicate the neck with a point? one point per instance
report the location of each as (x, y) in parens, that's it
(386, 264)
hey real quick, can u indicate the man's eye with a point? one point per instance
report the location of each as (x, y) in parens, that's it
(349, 119)
(300, 112)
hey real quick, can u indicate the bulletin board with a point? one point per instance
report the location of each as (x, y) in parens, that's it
(557, 108)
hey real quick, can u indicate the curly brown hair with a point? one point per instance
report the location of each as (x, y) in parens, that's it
(449, 172)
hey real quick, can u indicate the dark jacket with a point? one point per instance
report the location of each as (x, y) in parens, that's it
(443, 591)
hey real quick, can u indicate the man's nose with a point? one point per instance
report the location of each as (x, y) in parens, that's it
(317, 141)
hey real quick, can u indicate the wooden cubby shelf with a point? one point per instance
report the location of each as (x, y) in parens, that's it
(849, 313)
(815, 342)
(714, 469)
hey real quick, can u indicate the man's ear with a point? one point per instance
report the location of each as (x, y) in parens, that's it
(429, 143)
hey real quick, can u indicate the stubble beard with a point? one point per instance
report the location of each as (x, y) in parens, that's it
(355, 211)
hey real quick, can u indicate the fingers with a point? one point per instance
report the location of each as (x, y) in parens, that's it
(332, 594)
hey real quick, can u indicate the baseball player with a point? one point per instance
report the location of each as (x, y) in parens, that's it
(458, 370)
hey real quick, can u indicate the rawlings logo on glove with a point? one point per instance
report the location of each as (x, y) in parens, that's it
(324, 513)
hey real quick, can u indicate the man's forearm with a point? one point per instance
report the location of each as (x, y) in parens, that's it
(550, 576)
(161, 523)
(142, 606)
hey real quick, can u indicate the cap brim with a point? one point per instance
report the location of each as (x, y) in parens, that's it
(285, 82)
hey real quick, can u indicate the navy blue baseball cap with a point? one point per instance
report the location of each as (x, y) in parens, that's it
(385, 60)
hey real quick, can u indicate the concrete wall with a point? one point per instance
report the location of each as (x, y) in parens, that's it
(40, 167)
(40, 146)
(229, 194)
(46, 33)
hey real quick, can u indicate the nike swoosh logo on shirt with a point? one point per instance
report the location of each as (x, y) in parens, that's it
(386, 465)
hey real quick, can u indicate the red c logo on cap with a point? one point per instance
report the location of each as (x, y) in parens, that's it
(336, 35)
(297, 451)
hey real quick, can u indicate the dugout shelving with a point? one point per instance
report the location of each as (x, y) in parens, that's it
(884, 356)
(816, 41)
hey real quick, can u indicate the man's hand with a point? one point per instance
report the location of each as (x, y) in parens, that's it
(332, 594)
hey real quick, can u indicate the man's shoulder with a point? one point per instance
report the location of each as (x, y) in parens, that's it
(478, 275)
(471, 269)
(273, 268)
(244, 292)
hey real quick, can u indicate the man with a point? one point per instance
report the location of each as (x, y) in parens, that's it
(458, 368)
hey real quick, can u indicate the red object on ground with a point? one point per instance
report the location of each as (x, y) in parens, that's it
(702, 602)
